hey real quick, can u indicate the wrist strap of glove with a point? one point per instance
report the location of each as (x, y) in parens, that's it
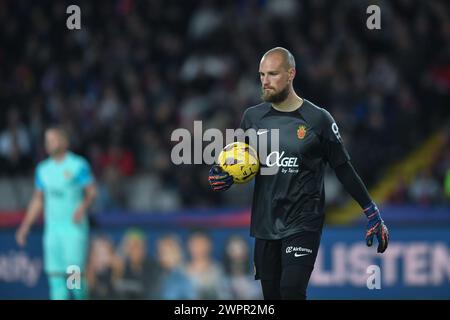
(371, 211)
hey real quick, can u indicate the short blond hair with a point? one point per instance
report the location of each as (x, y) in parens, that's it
(288, 58)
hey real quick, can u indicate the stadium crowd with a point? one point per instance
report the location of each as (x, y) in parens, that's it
(127, 271)
(137, 70)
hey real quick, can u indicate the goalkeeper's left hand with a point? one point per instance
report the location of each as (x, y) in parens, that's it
(376, 226)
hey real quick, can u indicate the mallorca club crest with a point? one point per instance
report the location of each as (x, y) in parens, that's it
(301, 132)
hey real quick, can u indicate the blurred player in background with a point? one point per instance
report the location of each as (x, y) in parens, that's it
(288, 206)
(64, 190)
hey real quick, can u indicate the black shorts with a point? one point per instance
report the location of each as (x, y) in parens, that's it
(272, 256)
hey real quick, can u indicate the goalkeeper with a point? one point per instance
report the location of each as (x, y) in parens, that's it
(288, 206)
(64, 189)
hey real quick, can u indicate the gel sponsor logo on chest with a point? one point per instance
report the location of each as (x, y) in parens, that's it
(277, 159)
(287, 164)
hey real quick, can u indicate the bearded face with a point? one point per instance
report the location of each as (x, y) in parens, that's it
(276, 78)
(273, 96)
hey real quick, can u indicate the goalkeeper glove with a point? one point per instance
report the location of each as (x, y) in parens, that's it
(219, 180)
(376, 226)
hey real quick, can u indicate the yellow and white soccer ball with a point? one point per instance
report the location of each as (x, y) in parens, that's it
(240, 160)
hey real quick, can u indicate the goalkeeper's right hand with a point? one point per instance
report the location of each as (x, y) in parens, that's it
(219, 180)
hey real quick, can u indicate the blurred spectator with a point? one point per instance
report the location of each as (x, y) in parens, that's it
(425, 189)
(14, 145)
(102, 269)
(174, 282)
(116, 163)
(152, 156)
(447, 185)
(119, 159)
(238, 270)
(444, 170)
(400, 194)
(206, 274)
(109, 111)
(137, 273)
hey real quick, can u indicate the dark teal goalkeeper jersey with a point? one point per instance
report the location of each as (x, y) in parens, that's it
(290, 199)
